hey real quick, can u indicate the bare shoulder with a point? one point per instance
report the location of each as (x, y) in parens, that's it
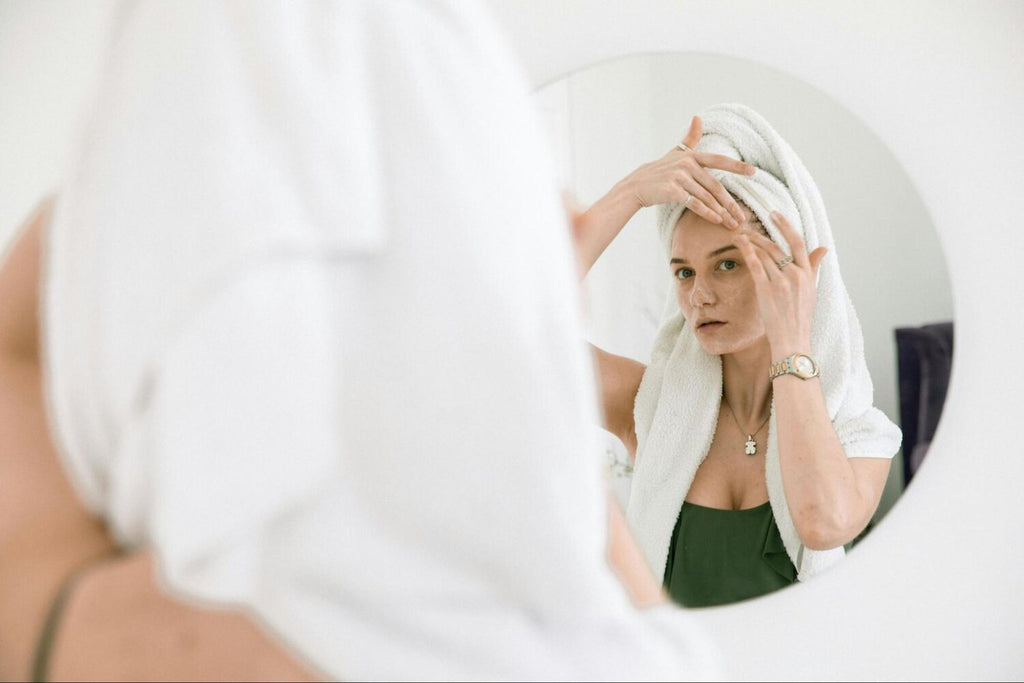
(20, 270)
(620, 380)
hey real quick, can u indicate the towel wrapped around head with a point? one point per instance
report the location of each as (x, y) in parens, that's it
(677, 405)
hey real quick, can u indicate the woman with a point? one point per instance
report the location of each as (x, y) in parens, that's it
(758, 451)
(252, 379)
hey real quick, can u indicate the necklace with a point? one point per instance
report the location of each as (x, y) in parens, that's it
(751, 445)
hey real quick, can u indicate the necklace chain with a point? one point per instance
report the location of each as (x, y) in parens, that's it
(751, 445)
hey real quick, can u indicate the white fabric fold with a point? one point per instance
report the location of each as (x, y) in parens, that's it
(677, 405)
(315, 342)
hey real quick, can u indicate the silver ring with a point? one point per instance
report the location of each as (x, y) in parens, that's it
(684, 147)
(686, 202)
(784, 262)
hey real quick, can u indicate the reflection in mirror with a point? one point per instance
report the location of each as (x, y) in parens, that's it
(610, 119)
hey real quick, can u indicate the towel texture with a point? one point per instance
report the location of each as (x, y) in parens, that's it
(678, 402)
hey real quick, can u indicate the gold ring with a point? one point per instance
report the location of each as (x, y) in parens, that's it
(784, 262)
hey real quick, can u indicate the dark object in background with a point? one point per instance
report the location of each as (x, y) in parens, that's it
(924, 361)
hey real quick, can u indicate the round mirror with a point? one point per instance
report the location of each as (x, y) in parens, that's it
(941, 86)
(605, 120)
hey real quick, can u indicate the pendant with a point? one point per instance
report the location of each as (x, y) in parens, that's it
(751, 446)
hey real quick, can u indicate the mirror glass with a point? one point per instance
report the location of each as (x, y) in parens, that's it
(607, 119)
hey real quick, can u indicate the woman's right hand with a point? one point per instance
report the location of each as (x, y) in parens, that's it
(680, 176)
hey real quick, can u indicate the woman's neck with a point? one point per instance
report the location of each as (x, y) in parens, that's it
(745, 383)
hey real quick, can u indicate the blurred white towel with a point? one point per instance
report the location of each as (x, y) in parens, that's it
(315, 340)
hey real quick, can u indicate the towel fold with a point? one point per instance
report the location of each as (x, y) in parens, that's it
(678, 401)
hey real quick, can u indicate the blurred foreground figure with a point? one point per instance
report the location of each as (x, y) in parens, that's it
(312, 351)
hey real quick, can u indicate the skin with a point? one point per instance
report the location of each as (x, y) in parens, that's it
(758, 313)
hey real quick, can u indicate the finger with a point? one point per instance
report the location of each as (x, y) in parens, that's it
(766, 254)
(770, 265)
(793, 238)
(754, 264)
(697, 190)
(773, 249)
(724, 163)
(693, 135)
(723, 200)
(816, 257)
(702, 210)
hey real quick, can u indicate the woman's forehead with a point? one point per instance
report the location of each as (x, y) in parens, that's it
(697, 237)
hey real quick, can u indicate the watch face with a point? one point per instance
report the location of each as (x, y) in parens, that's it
(804, 365)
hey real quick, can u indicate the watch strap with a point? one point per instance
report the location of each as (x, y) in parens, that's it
(787, 366)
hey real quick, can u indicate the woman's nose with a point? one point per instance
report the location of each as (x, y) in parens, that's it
(701, 294)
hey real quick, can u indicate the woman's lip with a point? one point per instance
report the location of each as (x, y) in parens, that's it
(710, 327)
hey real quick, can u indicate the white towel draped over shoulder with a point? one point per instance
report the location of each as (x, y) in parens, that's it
(312, 335)
(677, 405)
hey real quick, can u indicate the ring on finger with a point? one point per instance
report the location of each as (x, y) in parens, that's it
(686, 202)
(782, 263)
(682, 146)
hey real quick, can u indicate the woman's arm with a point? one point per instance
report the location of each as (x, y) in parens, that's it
(628, 563)
(831, 497)
(117, 624)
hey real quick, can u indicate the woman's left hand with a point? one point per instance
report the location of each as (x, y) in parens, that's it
(785, 287)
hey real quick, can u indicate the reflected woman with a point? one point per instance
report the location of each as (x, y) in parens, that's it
(758, 451)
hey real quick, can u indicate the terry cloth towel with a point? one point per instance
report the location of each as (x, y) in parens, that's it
(679, 397)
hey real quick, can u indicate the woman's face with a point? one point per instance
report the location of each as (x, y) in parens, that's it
(714, 287)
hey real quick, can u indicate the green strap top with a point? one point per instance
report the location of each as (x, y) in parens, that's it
(720, 556)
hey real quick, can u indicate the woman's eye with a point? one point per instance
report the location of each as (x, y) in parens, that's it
(684, 273)
(728, 264)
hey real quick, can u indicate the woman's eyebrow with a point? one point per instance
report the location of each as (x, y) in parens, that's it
(713, 254)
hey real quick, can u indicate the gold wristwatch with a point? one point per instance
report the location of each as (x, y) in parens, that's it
(799, 364)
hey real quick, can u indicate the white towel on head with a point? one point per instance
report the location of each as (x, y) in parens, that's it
(677, 405)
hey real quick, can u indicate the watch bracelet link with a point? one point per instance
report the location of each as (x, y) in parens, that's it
(786, 366)
(780, 368)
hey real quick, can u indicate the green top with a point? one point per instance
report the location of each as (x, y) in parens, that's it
(720, 556)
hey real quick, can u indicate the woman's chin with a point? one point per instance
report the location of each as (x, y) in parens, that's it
(718, 341)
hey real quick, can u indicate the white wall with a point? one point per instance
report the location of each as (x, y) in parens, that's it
(607, 119)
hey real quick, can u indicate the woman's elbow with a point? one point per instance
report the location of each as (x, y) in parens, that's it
(824, 530)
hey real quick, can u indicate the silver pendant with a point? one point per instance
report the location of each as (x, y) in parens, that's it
(751, 446)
